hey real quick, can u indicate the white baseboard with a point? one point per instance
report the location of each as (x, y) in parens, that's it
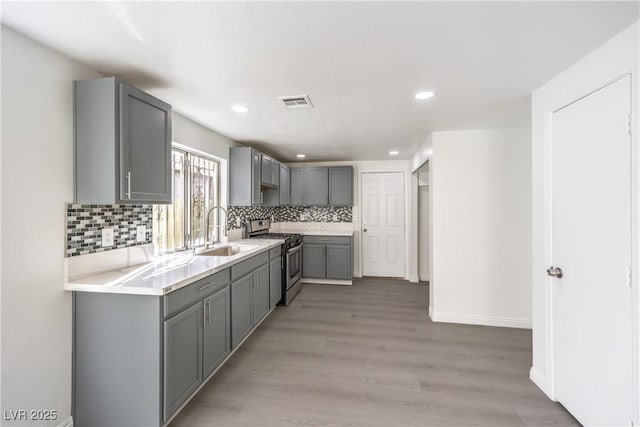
(66, 423)
(327, 282)
(470, 319)
(540, 381)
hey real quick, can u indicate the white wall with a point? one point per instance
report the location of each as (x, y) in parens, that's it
(37, 183)
(615, 58)
(481, 227)
(360, 167)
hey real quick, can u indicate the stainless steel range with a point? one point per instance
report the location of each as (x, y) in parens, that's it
(291, 256)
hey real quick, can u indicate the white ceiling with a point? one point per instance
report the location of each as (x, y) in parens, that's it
(360, 62)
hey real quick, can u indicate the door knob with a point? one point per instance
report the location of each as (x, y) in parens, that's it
(555, 272)
(364, 229)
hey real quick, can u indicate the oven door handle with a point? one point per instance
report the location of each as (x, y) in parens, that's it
(294, 250)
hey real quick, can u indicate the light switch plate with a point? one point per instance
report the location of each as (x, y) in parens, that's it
(107, 237)
(238, 222)
(141, 233)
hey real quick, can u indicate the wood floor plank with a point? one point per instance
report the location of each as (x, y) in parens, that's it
(368, 355)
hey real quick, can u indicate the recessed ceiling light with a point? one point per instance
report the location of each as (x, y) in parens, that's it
(301, 156)
(394, 153)
(238, 108)
(424, 95)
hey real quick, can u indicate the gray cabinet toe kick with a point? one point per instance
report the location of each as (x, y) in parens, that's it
(158, 351)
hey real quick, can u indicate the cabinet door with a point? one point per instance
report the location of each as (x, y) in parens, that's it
(275, 281)
(145, 147)
(216, 333)
(316, 186)
(275, 173)
(313, 261)
(241, 301)
(182, 357)
(285, 186)
(297, 186)
(256, 178)
(341, 186)
(339, 262)
(260, 293)
(266, 170)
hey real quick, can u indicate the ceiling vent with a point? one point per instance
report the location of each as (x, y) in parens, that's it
(296, 101)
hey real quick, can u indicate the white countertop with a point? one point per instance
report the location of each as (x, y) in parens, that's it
(166, 273)
(315, 228)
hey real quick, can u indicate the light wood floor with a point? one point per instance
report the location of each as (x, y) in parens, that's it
(368, 355)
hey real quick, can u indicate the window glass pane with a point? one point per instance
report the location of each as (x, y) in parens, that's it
(204, 196)
(168, 220)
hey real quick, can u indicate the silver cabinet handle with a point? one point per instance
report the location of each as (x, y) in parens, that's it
(203, 287)
(209, 312)
(128, 194)
(555, 272)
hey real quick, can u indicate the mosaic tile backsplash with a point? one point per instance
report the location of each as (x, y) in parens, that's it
(288, 214)
(85, 224)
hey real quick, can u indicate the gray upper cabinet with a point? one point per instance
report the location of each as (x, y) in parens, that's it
(122, 144)
(297, 186)
(182, 357)
(245, 165)
(341, 186)
(266, 170)
(316, 186)
(275, 173)
(285, 185)
(261, 294)
(216, 333)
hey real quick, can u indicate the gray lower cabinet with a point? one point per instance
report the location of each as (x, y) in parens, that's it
(182, 357)
(313, 260)
(316, 186)
(327, 257)
(338, 262)
(249, 296)
(275, 281)
(241, 310)
(261, 294)
(122, 144)
(216, 334)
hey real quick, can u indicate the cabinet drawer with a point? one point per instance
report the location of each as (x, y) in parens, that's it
(189, 294)
(334, 240)
(245, 267)
(275, 252)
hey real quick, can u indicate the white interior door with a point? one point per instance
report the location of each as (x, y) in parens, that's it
(591, 243)
(383, 224)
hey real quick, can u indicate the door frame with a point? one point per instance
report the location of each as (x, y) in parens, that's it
(407, 180)
(560, 92)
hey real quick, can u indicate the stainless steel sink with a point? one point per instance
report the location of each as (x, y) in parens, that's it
(226, 251)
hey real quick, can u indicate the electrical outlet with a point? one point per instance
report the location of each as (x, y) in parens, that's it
(301, 217)
(107, 237)
(335, 217)
(141, 233)
(238, 222)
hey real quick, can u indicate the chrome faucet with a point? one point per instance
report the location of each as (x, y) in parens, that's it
(207, 224)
